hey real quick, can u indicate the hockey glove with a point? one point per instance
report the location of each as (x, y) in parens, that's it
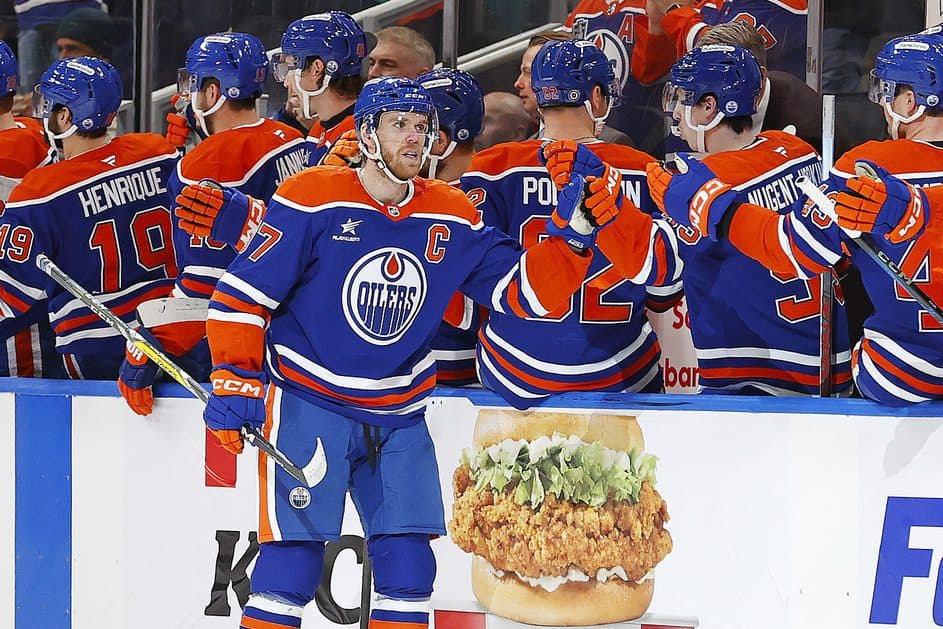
(564, 157)
(345, 152)
(178, 129)
(604, 196)
(880, 202)
(221, 214)
(570, 220)
(238, 398)
(659, 178)
(697, 197)
(137, 374)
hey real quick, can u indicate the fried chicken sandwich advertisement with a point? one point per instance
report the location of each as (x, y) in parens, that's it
(561, 514)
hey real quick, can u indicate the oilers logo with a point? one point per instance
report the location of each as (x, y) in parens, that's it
(615, 50)
(383, 293)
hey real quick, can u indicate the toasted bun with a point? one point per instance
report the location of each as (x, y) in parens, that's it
(572, 604)
(616, 432)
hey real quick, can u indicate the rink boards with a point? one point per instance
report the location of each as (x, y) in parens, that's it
(784, 513)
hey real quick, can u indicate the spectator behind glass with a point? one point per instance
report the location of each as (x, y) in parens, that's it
(505, 120)
(400, 51)
(526, 92)
(36, 38)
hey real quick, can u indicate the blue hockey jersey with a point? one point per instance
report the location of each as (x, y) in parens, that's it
(900, 358)
(757, 330)
(342, 294)
(601, 338)
(104, 218)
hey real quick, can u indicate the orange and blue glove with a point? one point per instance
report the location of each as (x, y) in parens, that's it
(219, 213)
(345, 151)
(696, 197)
(238, 398)
(565, 157)
(570, 220)
(137, 375)
(178, 128)
(884, 205)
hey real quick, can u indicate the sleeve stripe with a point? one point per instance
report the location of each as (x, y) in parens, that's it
(499, 289)
(691, 37)
(528, 291)
(829, 256)
(206, 271)
(238, 305)
(236, 317)
(646, 269)
(29, 291)
(250, 291)
(787, 247)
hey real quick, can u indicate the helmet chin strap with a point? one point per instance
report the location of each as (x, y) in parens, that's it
(306, 101)
(58, 136)
(701, 129)
(435, 159)
(600, 121)
(897, 119)
(201, 115)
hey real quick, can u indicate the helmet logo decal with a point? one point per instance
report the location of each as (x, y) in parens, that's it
(462, 135)
(233, 92)
(81, 67)
(731, 107)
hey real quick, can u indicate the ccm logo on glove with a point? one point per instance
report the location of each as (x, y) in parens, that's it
(238, 387)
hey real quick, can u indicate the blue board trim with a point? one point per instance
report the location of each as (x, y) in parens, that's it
(598, 401)
(43, 512)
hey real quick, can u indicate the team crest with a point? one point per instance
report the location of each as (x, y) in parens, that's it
(618, 56)
(383, 293)
(299, 498)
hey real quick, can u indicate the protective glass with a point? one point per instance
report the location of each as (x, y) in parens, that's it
(880, 90)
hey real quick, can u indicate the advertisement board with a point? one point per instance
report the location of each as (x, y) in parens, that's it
(783, 513)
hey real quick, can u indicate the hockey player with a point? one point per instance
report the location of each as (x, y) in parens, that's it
(22, 145)
(102, 215)
(755, 331)
(224, 76)
(334, 302)
(899, 359)
(602, 339)
(321, 60)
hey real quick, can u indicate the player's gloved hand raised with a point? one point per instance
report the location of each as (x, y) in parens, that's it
(238, 398)
(603, 197)
(697, 197)
(178, 129)
(345, 152)
(564, 157)
(879, 202)
(137, 374)
(659, 178)
(218, 213)
(571, 220)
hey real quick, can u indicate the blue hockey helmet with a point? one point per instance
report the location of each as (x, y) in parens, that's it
(727, 71)
(459, 103)
(89, 87)
(8, 70)
(912, 60)
(565, 73)
(333, 37)
(237, 60)
(392, 94)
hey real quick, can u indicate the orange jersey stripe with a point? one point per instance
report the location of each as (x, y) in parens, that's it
(390, 624)
(386, 400)
(745, 373)
(13, 301)
(240, 305)
(196, 286)
(552, 385)
(900, 374)
(255, 623)
(71, 324)
(23, 342)
(265, 525)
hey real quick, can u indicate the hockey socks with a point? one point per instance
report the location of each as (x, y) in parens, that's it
(284, 580)
(391, 613)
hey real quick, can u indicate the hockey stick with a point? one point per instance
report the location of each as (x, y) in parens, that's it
(826, 288)
(311, 475)
(866, 242)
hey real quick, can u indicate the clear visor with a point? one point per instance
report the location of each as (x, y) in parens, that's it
(880, 90)
(42, 107)
(405, 123)
(283, 64)
(186, 82)
(673, 96)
